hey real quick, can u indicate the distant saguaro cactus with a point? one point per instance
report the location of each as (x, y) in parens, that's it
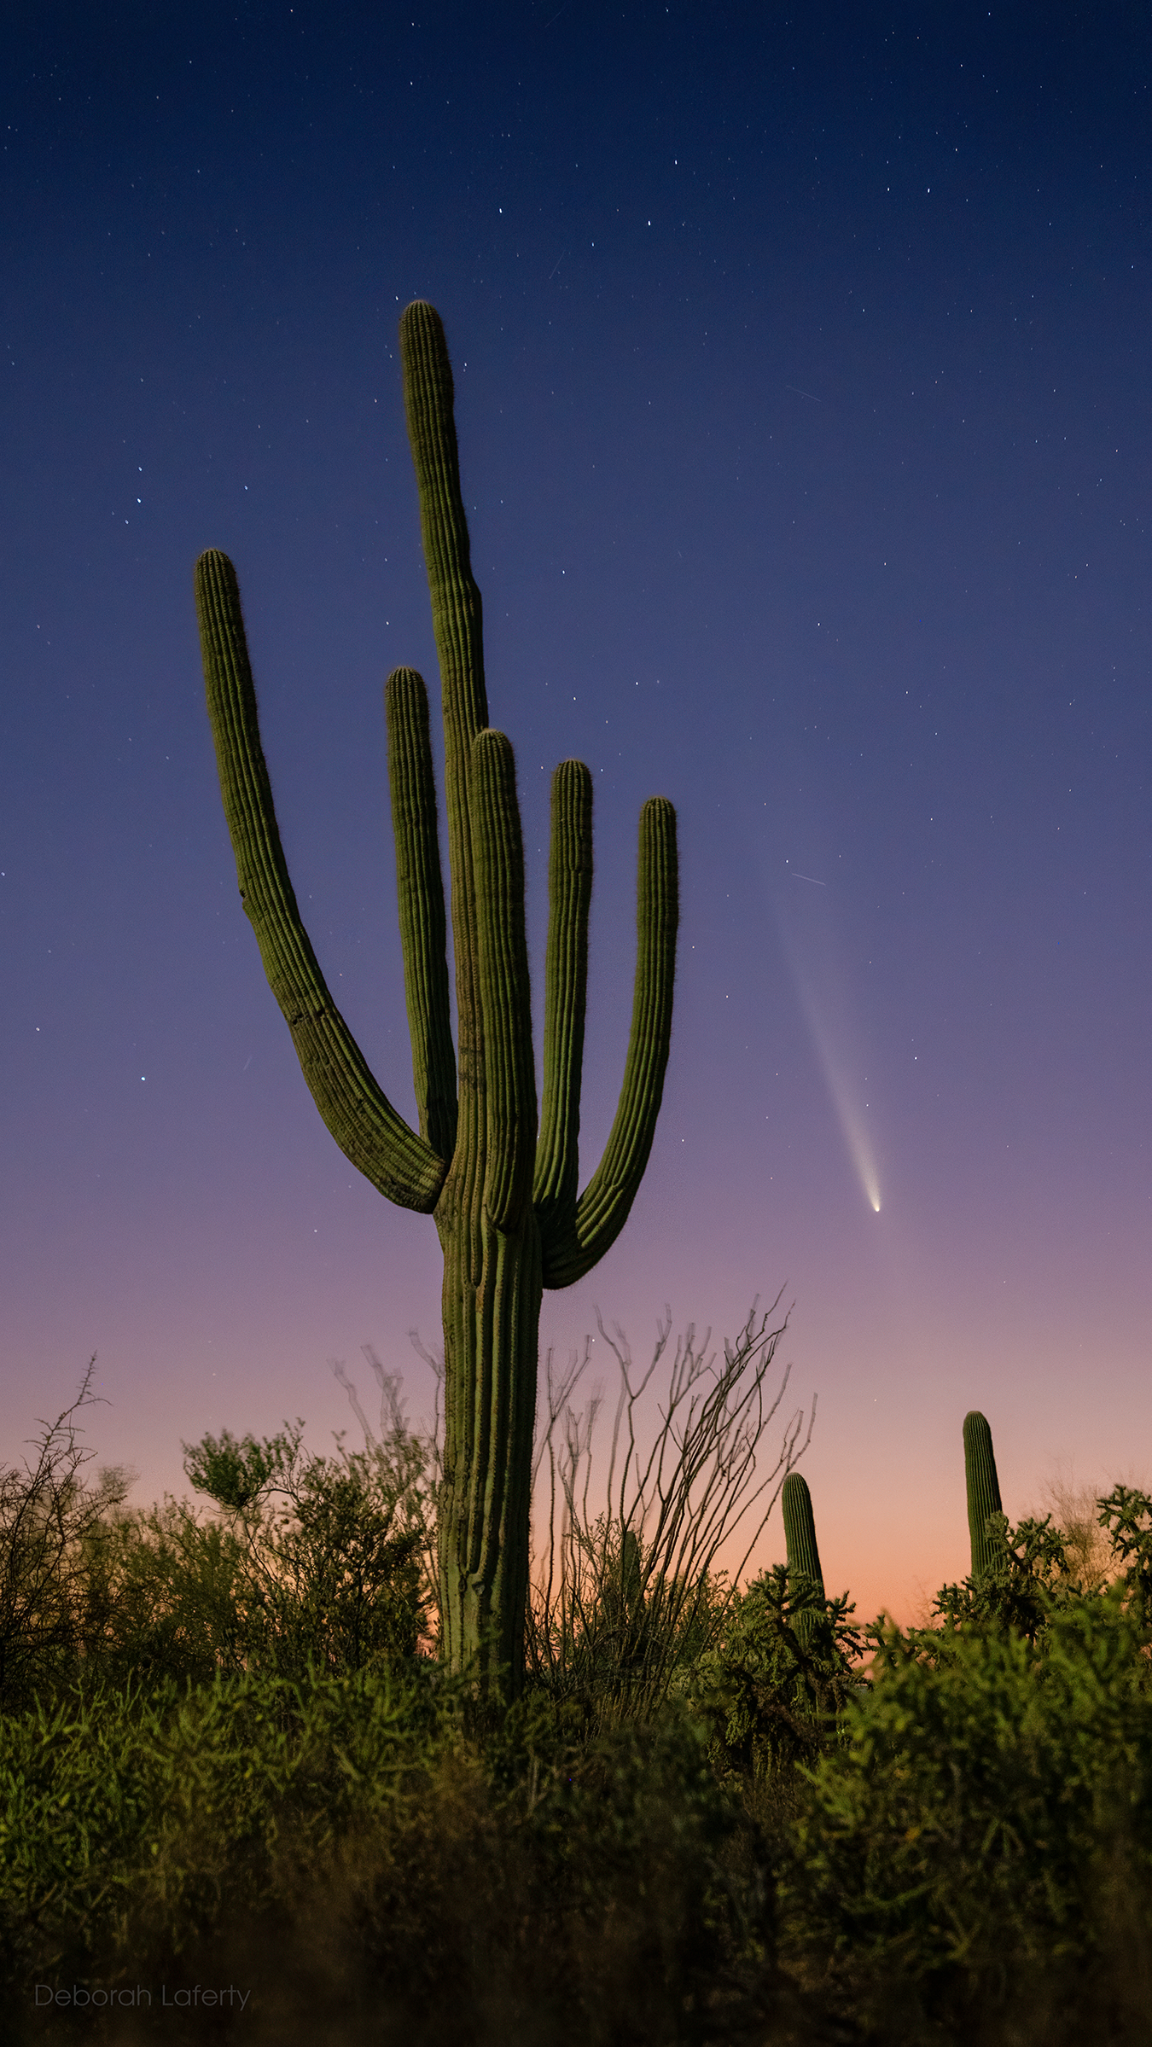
(983, 1489)
(800, 1531)
(502, 1185)
(804, 1573)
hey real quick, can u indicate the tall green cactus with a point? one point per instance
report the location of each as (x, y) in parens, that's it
(800, 1531)
(983, 1489)
(803, 1556)
(503, 1188)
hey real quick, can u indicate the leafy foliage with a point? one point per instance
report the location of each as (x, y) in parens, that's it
(1026, 1576)
(714, 1816)
(305, 1562)
(330, 1547)
(234, 1473)
(981, 1841)
(772, 1692)
(1126, 1514)
(344, 1848)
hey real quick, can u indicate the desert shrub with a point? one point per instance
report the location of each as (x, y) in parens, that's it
(225, 1753)
(127, 1813)
(332, 1547)
(1075, 1512)
(626, 1592)
(165, 1600)
(369, 1869)
(772, 1691)
(241, 1763)
(301, 1560)
(977, 1854)
(1126, 1516)
(1029, 1578)
(50, 1516)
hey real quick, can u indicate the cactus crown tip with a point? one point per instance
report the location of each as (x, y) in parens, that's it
(420, 312)
(214, 561)
(214, 570)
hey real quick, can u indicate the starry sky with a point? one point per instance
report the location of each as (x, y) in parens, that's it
(802, 393)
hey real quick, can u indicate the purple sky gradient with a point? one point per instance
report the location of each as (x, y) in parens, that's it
(802, 391)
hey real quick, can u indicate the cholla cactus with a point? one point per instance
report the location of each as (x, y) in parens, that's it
(983, 1490)
(501, 1182)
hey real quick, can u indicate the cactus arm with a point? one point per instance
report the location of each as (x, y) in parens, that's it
(457, 619)
(457, 625)
(565, 996)
(510, 1079)
(420, 890)
(362, 1120)
(602, 1209)
(800, 1531)
(983, 1488)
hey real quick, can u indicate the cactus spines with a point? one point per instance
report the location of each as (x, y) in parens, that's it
(800, 1531)
(983, 1489)
(503, 1184)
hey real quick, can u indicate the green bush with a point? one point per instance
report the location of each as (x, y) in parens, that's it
(301, 1561)
(123, 1812)
(369, 1868)
(1027, 1576)
(50, 1518)
(773, 1691)
(334, 1550)
(978, 1851)
(225, 1755)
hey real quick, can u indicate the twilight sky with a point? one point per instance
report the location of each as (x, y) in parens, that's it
(802, 391)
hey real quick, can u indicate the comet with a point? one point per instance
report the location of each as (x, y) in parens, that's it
(844, 1093)
(813, 953)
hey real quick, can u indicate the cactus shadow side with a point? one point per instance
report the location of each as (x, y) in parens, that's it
(501, 1179)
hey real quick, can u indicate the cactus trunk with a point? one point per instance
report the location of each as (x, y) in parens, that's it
(491, 1307)
(983, 1489)
(505, 1195)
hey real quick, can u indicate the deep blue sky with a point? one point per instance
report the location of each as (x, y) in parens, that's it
(802, 390)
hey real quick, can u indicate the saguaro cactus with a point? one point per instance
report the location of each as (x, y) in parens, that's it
(983, 1489)
(502, 1186)
(800, 1531)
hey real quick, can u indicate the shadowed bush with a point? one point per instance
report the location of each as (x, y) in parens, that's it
(368, 1869)
(306, 1561)
(51, 1522)
(973, 1861)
